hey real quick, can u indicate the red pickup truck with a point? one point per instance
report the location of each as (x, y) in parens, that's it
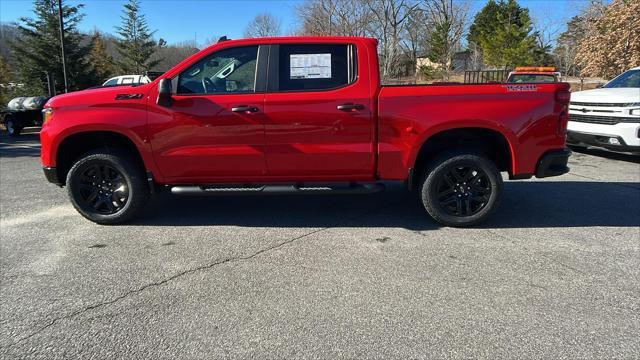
(303, 115)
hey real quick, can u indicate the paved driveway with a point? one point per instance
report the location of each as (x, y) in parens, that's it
(554, 274)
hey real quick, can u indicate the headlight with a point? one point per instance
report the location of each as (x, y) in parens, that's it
(47, 113)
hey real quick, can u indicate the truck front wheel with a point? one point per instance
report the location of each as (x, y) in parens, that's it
(461, 189)
(107, 187)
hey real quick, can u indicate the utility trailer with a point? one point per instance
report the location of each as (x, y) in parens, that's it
(23, 112)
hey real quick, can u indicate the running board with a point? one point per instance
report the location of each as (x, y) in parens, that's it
(277, 189)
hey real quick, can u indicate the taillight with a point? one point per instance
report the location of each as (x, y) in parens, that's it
(563, 120)
(563, 96)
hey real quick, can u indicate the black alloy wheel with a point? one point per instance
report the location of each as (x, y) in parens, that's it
(461, 189)
(108, 186)
(464, 191)
(104, 189)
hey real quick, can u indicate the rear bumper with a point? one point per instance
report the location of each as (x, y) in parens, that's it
(51, 174)
(584, 139)
(553, 163)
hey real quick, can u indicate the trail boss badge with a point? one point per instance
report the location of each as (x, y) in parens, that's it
(521, 88)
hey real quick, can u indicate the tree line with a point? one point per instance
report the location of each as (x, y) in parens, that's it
(602, 41)
(501, 34)
(33, 50)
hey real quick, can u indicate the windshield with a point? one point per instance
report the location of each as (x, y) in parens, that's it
(629, 79)
(532, 78)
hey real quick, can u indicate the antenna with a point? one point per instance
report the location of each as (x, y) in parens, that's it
(223, 38)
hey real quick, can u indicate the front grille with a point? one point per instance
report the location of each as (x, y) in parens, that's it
(604, 120)
(600, 104)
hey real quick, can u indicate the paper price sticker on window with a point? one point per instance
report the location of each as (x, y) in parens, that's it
(310, 66)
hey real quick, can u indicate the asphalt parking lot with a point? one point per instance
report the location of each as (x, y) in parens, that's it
(554, 274)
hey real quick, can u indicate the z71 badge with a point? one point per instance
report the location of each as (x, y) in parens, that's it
(521, 88)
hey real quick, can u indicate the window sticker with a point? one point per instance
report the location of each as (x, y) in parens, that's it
(310, 66)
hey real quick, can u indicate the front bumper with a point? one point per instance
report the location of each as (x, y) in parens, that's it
(553, 163)
(585, 139)
(629, 132)
(51, 174)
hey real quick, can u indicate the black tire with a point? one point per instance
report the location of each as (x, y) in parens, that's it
(107, 187)
(12, 128)
(461, 189)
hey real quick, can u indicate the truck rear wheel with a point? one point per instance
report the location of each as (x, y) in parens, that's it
(107, 187)
(461, 189)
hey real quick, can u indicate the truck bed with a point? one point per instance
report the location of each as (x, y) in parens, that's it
(523, 113)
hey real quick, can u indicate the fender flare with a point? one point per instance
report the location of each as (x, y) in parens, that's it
(510, 138)
(142, 146)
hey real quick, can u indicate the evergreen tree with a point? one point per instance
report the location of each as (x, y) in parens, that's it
(135, 45)
(438, 45)
(507, 40)
(5, 78)
(101, 62)
(484, 23)
(37, 50)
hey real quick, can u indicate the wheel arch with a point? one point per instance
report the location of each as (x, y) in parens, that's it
(488, 141)
(75, 145)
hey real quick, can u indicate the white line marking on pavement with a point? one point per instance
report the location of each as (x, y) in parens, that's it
(40, 216)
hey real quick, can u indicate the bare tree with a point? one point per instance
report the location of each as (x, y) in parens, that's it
(403, 27)
(334, 17)
(578, 28)
(449, 18)
(546, 32)
(263, 25)
(415, 36)
(475, 56)
(389, 17)
(612, 43)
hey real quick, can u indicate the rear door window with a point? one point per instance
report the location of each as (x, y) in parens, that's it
(315, 67)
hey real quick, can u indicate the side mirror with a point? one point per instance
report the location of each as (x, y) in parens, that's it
(164, 92)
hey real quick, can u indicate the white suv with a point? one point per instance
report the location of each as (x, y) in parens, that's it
(608, 117)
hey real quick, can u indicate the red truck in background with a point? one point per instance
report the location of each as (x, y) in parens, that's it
(300, 115)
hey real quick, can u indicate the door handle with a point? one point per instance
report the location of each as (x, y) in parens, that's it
(244, 109)
(350, 107)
